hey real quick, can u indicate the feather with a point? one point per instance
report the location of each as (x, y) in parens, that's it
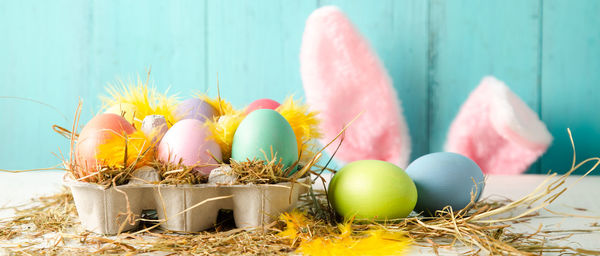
(126, 150)
(305, 125)
(143, 100)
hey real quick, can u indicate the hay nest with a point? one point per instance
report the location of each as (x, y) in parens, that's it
(49, 225)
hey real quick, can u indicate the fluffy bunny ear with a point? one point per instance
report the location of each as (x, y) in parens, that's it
(343, 77)
(498, 130)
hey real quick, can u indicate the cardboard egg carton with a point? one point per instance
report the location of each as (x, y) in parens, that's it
(181, 208)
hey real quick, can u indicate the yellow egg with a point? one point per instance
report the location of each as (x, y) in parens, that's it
(126, 110)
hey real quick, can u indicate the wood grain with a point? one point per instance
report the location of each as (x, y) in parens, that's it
(436, 52)
(397, 31)
(472, 39)
(43, 58)
(254, 47)
(571, 78)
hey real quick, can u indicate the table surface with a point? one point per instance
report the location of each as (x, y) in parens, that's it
(582, 198)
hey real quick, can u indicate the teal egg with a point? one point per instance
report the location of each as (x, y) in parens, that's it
(260, 131)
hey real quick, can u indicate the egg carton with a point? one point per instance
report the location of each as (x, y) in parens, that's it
(181, 208)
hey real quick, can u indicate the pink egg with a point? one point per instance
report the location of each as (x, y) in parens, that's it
(262, 104)
(189, 141)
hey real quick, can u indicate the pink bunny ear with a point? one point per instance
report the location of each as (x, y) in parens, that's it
(498, 130)
(342, 77)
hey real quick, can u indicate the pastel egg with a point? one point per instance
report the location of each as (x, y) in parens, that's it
(194, 109)
(189, 141)
(261, 131)
(443, 179)
(262, 104)
(372, 190)
(155, 127)
(96, 132)
(126, 110)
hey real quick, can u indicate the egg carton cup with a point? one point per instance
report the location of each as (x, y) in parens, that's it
(181, 208)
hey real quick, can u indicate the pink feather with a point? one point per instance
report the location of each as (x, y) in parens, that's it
(343, 77)
(498, 130)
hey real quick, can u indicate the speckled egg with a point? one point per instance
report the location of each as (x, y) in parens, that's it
(155, 127)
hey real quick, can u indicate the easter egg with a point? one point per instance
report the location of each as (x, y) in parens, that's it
(126, 110)
(372, 190)
(189, 141)
(261, 131)
(155, 127)
(443, 179)
(262, 104)
(96, 132)
(194, 109)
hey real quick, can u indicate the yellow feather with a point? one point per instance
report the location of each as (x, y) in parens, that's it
(222, 130)
(377, 242)
(142, 99)
(224, 124)
(222, 106)
(294, 222)
(125, 110)
(137, 146)
(305, 125)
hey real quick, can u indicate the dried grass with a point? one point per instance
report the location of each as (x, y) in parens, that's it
(482, 226)
(478, 228)
(259, 171)
(175, 174)
(60, 235)
(49, 213)
(105, 175)
(250, 171)
(49, 225)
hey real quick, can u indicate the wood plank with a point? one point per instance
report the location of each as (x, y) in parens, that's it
(471, 39)
(436, 53)
(254, 48)
(44, 56)
(58, 57)
(131, 36)
(397, 31)
(571, 65)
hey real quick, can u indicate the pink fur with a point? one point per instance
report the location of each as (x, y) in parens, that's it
(342, 78)
(498, 130)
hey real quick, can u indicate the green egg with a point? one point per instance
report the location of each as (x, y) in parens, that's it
(260, 131)
(372, 190)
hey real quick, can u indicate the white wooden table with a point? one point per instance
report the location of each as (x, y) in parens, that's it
(582, 199)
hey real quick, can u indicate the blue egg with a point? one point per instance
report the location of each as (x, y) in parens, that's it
(444, 179)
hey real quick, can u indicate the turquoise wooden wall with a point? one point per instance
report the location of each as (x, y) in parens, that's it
(436, 51)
